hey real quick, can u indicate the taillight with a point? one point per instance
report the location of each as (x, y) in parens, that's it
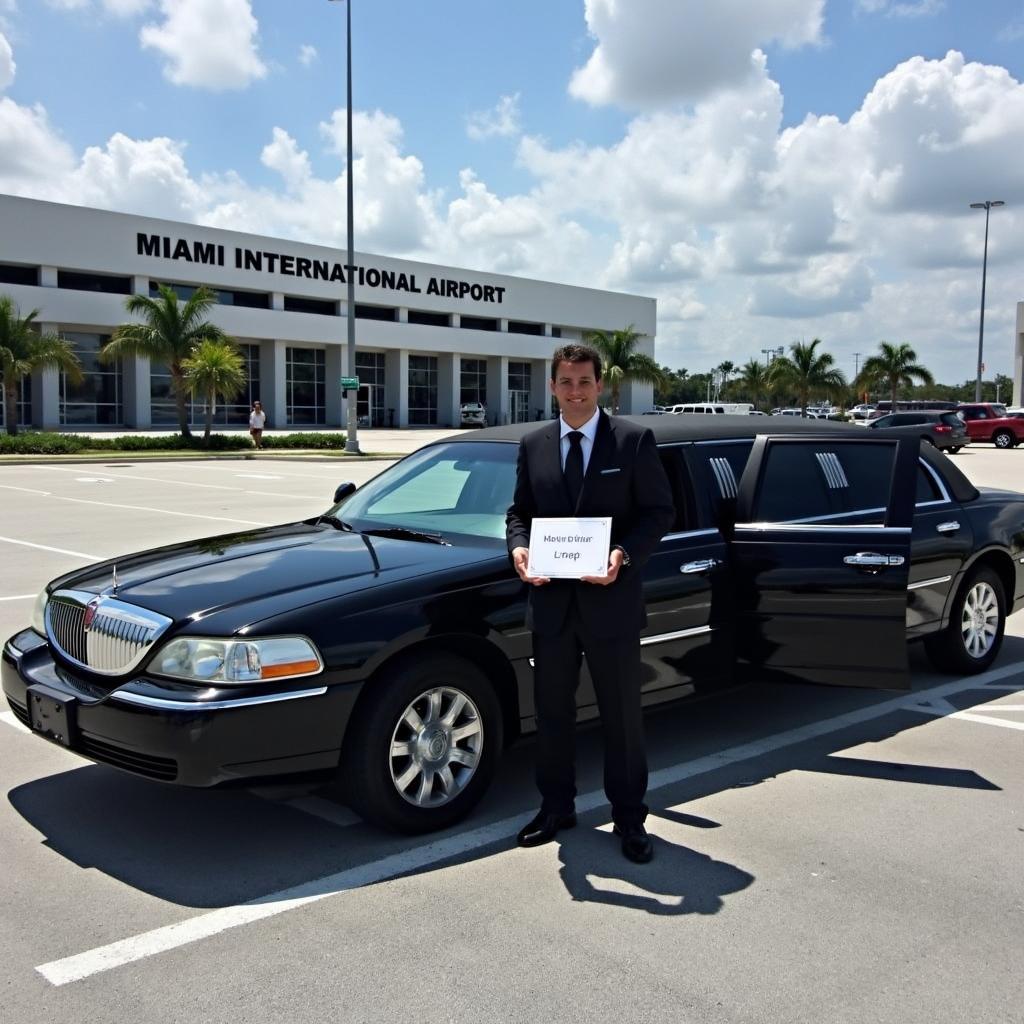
(942, 428)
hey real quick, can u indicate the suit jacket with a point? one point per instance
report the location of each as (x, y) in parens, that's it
(624, 480)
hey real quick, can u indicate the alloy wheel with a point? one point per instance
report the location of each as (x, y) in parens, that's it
(436, 747)
(980, 620)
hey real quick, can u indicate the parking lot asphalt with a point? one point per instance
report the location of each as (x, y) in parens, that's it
(821, 855)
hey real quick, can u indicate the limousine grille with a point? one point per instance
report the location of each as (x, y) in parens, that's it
(102, 634)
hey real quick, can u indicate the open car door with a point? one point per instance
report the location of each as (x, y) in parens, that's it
(821, 556)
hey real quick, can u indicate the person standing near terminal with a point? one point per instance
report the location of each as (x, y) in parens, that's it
(257, 421)
(587, 463)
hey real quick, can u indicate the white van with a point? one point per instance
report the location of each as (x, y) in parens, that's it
(709, 408)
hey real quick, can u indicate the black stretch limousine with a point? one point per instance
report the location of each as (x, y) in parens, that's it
(385, 642)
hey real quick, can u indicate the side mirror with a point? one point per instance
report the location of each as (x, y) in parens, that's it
(343, 491)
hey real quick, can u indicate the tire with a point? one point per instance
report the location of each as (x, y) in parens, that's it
(1003, 439)
(954, 449)
(421, 707)
(971, 641)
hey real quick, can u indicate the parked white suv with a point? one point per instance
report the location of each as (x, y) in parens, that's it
(472, 414)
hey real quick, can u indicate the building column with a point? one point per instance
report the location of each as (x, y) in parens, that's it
(273, 392)
(448, 389)
(396, 386)
(47, 277)
(549, 331)
(135, 376)
(336, 367)
(277, 300)
(454, 319)
(403, 315)
(540, 393)
(497, 390)
(46, 386)
(140, 285)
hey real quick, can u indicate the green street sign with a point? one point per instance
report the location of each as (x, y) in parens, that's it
(349, 383)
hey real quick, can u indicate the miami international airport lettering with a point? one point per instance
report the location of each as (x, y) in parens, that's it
(260, 260)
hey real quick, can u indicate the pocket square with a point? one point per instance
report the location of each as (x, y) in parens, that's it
(605, 472)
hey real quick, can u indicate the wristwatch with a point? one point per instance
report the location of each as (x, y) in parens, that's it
(626, 561)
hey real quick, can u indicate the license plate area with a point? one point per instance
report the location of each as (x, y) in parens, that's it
(52, 714)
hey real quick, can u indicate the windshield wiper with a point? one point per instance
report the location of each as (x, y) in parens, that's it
(338, 524)
(403, 534)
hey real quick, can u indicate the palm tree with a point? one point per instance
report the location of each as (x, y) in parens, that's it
(754, 381)
(24, 349)
(169, 333)
(620, 362)
(895, 367)
(214, 370)
(805, 370)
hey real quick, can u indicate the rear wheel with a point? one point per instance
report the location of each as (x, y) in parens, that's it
(1003, 439)
(424, 749)
(971, 641)
(954, 450)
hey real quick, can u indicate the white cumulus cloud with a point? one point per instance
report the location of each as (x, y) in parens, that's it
(7, 65)
(307, 54)
(659, 51)
(210, 44)
(503, 119)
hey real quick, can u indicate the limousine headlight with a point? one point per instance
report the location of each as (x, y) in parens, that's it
(38, 620)
(209, 660)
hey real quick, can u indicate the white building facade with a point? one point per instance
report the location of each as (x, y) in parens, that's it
(428, 337)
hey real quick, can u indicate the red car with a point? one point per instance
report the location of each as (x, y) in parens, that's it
(988, 421)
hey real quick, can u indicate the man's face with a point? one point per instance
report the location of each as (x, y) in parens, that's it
(577, 389)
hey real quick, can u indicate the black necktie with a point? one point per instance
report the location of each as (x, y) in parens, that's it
(574, 467)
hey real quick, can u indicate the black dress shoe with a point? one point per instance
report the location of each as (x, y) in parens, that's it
(636, 843)
(543, 828)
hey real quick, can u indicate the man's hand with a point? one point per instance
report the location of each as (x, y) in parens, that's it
(521, 559)
(614, 564)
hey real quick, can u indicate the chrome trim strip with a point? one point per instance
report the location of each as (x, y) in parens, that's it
(660, 638)
(691, 533)
(679, 634)
(165, 704)
(734, 440)
(929, 583)
(799, 526)
(837, 515)
(938, 483)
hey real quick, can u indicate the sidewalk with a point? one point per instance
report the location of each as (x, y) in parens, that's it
(374, 443)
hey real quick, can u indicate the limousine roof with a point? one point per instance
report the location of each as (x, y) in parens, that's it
(680, 429)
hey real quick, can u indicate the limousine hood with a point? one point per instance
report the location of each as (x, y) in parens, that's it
(266, 571)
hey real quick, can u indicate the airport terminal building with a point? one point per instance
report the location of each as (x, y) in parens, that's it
(428, 337)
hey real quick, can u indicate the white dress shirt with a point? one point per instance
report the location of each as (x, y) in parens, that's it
(589, 432)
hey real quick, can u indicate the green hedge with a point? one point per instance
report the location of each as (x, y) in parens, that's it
(35, 443)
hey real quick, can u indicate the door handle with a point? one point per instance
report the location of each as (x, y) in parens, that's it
(950, 527)
(703, 565)
(872, 560)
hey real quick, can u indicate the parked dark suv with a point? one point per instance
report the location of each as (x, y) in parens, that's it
(385, 641)
(945, 430)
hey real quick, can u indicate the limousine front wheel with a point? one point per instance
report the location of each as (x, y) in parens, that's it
(974, 635)
(424, 748)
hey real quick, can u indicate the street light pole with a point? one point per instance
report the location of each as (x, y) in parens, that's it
(351, 435)
(987, 205)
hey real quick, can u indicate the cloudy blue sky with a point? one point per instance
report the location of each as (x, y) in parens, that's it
(770, 170)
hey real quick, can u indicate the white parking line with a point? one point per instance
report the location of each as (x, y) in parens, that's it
(159, 511)
(173, 936)
(59, 551)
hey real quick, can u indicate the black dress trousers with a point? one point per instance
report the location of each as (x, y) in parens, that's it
(614, 666)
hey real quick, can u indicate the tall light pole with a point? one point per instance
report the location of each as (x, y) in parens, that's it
(768, 353)
(351, 435)
(987, 205)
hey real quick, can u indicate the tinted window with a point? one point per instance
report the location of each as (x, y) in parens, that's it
(951, 419)
(973, 413)
(806, 481)
(927, 489)
(884, 421)
(908, 419)
(721, 466)
(682, 492)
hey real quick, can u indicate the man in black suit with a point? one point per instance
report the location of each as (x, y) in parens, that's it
(589, 464)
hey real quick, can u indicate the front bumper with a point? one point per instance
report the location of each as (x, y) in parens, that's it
(178, 733)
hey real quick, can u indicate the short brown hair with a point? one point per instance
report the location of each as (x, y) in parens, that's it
(576, 353)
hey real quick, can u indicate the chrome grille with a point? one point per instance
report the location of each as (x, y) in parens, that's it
(118, 635)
